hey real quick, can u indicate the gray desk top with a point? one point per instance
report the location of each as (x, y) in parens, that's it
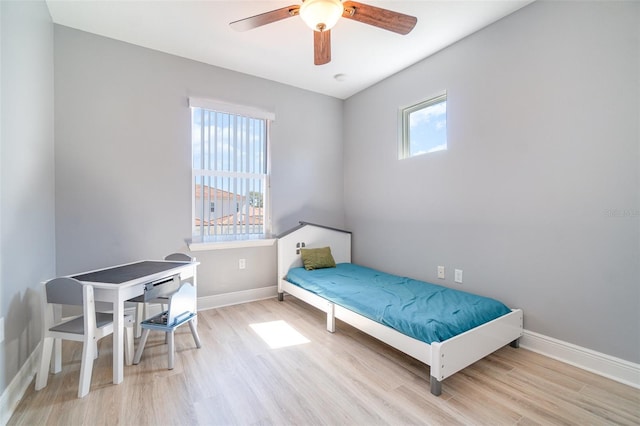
(124, 273)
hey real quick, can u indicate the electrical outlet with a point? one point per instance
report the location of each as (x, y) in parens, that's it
(441, 272)
(457, 276)
(242, 263)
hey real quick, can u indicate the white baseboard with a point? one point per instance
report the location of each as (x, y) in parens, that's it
(15, 391)
(237, 297)
(595, 362)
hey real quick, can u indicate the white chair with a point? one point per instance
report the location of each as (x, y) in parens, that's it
(87, 328)
(174, 257)
(142, 306)
(182, 310)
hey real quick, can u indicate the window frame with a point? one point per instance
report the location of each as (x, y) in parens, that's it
(404, 134)
(200, 242)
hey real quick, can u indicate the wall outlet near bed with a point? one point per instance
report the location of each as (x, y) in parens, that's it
(242, 264)
(457, 275)
(441, 272)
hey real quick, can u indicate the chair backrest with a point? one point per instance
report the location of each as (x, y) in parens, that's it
(69, 291)
(182, 303)
(161, 288)
(64, 291)
(179, 257)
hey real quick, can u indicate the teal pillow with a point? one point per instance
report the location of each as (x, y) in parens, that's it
(317, 258)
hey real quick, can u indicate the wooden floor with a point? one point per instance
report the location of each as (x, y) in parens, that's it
(345, 378)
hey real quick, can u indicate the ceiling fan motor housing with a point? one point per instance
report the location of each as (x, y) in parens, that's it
(321, 15)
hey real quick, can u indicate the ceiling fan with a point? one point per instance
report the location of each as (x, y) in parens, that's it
(322, 15)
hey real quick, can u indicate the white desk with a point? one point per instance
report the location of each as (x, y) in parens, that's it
(118, 284)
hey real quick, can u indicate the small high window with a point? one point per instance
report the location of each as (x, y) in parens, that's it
(424, 127)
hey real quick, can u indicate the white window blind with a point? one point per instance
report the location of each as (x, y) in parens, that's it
(230, 171)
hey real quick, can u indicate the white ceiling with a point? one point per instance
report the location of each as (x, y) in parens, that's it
(283, 51)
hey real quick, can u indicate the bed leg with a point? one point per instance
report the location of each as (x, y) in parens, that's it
(436, 386)
(280, 297)
(331, 317)
(515, 343)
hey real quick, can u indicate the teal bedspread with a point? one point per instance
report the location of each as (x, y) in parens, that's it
(424, 311)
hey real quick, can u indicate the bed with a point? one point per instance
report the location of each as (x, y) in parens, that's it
(446, 353)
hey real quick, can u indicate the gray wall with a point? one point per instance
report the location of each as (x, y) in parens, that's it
(537, 197)
(26, 180)
(123, 158)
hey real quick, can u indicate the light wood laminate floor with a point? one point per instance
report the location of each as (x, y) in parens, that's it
(345, 378)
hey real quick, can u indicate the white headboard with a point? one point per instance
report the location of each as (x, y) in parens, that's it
(309, 235)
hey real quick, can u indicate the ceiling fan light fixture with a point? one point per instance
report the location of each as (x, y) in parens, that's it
(321, 15)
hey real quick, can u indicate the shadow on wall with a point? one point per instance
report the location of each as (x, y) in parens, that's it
(22, 330)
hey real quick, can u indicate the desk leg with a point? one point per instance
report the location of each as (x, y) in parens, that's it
(118, 341)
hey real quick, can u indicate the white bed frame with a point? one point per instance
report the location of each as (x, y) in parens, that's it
(444, 358)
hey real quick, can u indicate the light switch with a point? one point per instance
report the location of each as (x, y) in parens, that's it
(457, 276)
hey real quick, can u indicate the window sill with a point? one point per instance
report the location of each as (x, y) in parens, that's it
(195, 245)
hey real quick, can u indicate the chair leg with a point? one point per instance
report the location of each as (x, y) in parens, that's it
(194, 333)
(166, 335)
(86, 368)
(45, 361)
(171, 348)
(56, 365)
(140, 314)
(141, 343)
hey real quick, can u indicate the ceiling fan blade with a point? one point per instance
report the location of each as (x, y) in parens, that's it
(378, 17)
(322, 47)
(265, 18)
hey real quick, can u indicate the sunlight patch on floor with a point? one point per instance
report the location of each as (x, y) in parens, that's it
(279, 334)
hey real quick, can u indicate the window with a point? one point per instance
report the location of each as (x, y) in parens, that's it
(230, 171)
(424, 127)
